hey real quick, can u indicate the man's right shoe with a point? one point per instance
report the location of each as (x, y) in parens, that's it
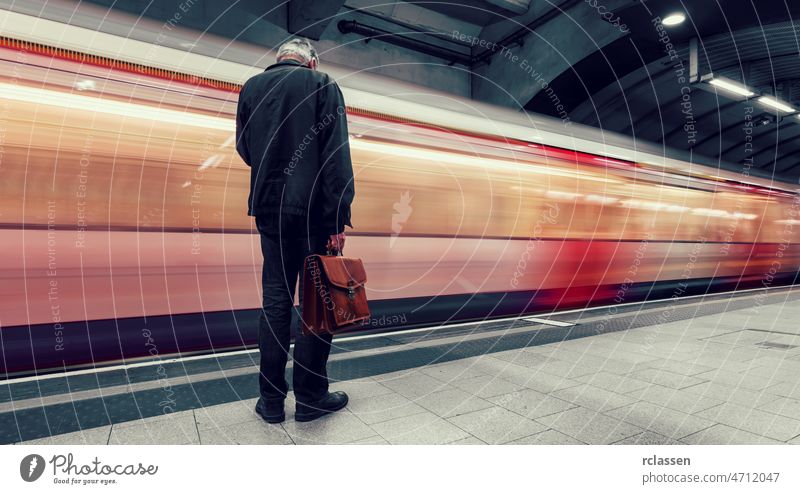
(273, 413)
(328, 404)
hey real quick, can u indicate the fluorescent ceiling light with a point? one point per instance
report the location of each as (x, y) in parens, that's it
(731, 87)
(674, 19)
(776, 104)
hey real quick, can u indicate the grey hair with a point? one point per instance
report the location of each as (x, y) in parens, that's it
(298, 48)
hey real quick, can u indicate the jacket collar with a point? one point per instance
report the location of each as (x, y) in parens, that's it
(288, 62)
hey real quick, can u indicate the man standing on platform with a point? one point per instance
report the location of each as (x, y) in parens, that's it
(291, 129)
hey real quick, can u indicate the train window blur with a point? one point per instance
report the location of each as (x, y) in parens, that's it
(90, 150)
(150, 170)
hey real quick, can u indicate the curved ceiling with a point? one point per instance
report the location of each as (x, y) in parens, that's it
(633, 86)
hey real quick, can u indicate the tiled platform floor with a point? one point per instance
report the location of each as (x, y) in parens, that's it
(731, 378)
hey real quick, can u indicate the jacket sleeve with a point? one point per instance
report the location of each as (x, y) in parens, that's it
(336, 169)
(242, 116)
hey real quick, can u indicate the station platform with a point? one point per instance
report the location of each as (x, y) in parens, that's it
(716, 369)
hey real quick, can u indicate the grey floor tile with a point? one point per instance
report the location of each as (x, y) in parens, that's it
(776, 366)
(648, 438)
(155, 434)
(593, 398)
(630, 354)
(422, 428)
(469, 441)
(666, 378)
(667, 422)
(360, 388)
(452, 371)
(496, 425)
(98, 435)
(589, 426)
(487, 361)
(614, 382)
(739, 380)
(414, 384)
(174, 428)
(486, 386)
(783, 373)
(567, 369)
(383, 407)
(690, 368)
(253, 432)
(218, 416)
(372, 441)
(786, 389)
(544, 382)
(550, 348)
(728, 354)
(787, 407)
(728, 394)
(615, 366)
(676, 399)
(451, 402)
(739, 338)
(518, 374)
(669, 351)
(717, 361)
(530, 403)
(594, 362)
(754, 420)
(550, 436)
(217, 437)
(723, 434)
(337, 428)
(525, 358)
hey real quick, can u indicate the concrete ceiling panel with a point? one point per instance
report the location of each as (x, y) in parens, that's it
(309, 18)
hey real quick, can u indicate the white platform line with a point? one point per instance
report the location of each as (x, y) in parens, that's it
(549, 322)
(148, 363)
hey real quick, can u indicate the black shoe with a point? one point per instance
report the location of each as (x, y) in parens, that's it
(271, 412)
(328, 404)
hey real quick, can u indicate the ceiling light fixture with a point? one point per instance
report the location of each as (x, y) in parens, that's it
(776, 104)
(674, 19)
(732, 87)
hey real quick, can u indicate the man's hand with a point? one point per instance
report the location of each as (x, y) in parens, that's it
(336, 242)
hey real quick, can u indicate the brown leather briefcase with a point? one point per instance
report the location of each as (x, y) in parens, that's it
(334, 297)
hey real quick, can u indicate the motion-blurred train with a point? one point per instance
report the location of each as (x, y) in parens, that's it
(125, 235)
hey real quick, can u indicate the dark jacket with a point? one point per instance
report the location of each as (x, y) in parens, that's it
(291, 129)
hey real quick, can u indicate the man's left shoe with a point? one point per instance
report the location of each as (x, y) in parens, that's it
(272, 412)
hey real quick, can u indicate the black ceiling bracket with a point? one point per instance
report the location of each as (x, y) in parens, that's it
(404, 41)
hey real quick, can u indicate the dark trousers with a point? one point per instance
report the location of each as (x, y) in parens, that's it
(283, 261)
